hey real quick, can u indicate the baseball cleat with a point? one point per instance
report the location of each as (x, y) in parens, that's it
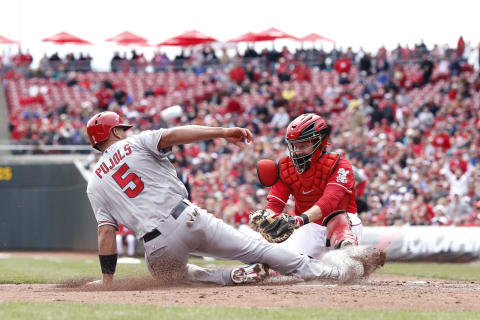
(366, 261)
(249, 274)
(353, 263)
(370, 257)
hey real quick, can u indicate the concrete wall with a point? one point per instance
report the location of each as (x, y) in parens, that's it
(44, 206)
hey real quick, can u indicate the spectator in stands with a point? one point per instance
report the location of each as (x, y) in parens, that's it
(116, 62)
(84, 63)
(458, 180)
(55, 61)
(160, 61)
(356, 116)
(232, 105)
(455, 65)
(460, 47)
(459, 209)
(342, 67)
(443, 68)
(180, 60)
(280, 119)
(250, 53)
(441, 139)
(390, 133)
(457, 162)
(426, 119)
(427, 68)
(104, 95)
(237, 74)
(283, 71)
(365, 65)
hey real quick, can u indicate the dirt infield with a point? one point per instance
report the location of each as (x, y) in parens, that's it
(380, 292)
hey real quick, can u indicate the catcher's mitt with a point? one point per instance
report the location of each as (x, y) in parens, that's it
(274, 228)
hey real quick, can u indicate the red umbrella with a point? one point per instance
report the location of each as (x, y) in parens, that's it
(272, 34)
(4, 40)
(247, 37)
(63, 37)
(176, 42)
(315, 37)
(125, 38)
(188, 38)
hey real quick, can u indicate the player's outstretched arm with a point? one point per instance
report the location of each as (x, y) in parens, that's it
(107, 251)
(192, 133)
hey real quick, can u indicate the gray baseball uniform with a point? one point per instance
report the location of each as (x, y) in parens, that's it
(134, 184)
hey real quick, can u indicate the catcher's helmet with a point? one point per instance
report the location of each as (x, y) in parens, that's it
(100, 125)
(307, 127)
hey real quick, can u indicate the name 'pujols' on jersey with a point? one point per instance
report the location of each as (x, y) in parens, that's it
(114, 160)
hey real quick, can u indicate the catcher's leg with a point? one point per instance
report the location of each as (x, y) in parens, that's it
(340, 231)
(311, 239)
(357, 226)
(308, 240)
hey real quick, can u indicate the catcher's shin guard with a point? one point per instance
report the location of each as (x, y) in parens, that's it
(339, 230)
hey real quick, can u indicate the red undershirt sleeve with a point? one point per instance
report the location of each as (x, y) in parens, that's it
(277, 197)
(330, 199)
(339, 185)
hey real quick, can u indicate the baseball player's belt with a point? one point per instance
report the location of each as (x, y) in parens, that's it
(175, 213)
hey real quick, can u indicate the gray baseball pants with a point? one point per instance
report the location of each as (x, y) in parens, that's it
(194, 231)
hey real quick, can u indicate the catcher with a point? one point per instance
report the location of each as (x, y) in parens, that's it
(322, 185)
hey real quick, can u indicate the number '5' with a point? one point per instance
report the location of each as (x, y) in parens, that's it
(131, 177)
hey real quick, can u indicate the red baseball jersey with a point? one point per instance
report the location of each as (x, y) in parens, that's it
(338, 193)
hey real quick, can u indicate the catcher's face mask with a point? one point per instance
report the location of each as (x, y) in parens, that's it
(306, 136)
(301, 152)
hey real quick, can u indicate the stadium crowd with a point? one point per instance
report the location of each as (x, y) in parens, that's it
(407, 119)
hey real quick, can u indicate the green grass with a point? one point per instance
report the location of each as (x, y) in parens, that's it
(55, 270)
(40, 311)
(16, 270)
(450, 271)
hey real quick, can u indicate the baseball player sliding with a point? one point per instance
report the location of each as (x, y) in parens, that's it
(135, 184)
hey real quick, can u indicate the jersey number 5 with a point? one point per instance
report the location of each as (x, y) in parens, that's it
(131, 177)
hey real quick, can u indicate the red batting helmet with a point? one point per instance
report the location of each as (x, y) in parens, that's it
(100, 125)
(307, 127)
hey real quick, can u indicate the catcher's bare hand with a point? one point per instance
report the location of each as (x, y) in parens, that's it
(237, 135)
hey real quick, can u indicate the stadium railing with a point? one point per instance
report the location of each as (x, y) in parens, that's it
(23, 149)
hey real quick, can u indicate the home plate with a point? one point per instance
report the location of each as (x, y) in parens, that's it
(128, 260)
(419, 282)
